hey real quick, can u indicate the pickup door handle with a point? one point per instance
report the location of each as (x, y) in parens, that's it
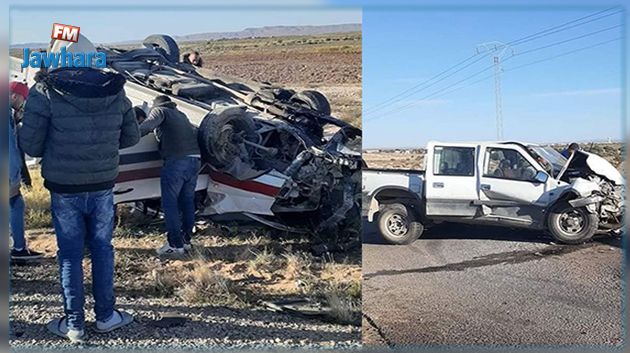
(438, 185)
(485, 187)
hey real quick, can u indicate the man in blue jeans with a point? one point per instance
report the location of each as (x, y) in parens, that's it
(19, 252)
(178, 146)
(76, 120)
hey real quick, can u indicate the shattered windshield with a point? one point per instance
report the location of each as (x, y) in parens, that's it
(554, 160)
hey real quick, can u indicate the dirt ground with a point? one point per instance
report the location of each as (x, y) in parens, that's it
(414, 158)
(220, 295)
(235, 271)
(330, 63)
(395, 159)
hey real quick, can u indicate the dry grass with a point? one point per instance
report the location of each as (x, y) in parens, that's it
(264, 262)
(163, 284)
(37, 199)
(203, 285)
(228, 266)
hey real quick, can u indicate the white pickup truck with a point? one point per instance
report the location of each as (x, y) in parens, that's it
(497, 183)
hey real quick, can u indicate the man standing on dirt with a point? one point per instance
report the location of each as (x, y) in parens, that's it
(178, 146)
(77, 119)
(19, 92)
(19, 252)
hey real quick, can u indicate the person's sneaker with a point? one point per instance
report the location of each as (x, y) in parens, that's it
(187, 246)
(59, 327)
(169, 251)
(116, 321)
(25, 254)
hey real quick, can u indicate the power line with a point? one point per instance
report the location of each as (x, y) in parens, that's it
(428, 96)
(518, 54)
(567, 40)
(418, 88)
(529, 64)
(564, 54)
(562, 27)
(507, 70)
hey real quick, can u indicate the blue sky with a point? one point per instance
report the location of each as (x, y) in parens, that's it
(573, 97)
(106, 25)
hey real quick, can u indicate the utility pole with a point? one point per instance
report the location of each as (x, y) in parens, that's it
(500, 49)
(497, 97)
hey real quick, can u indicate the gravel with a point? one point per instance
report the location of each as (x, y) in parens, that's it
(36, 299)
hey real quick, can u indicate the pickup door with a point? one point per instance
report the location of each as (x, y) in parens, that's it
(508, 188)
(451, 180)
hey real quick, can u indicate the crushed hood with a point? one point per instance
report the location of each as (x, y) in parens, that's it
(589, 162)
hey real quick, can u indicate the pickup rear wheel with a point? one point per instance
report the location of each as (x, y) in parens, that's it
(398, 224)
(572, 225)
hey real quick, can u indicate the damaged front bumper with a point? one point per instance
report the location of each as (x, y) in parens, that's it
(607, 203)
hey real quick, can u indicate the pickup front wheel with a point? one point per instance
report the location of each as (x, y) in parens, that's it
(398, 224)
(572, 225)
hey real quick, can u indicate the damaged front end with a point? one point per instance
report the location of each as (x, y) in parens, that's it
(323, 186)
(600, 188)
(320, 168)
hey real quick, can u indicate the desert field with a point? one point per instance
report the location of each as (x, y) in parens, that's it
(329, 63)
(242, 287)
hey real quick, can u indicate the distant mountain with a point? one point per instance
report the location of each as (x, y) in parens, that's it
(28, 45)
(273, 31)
(256, 32)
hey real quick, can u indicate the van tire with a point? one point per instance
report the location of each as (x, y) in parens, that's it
(214, 148)
(571, 225)
(398, 224)
(314, 100)
(165, 45)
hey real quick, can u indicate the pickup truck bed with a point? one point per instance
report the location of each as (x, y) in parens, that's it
(377, 180)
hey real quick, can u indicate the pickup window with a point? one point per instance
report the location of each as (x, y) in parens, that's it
(505, 163)
(454, 161)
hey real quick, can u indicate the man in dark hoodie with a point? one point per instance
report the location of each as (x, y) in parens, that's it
(76, 120)
(178, 146)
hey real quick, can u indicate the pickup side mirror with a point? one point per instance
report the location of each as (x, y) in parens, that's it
(541, 177)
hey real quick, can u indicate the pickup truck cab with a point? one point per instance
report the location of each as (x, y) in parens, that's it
(508, 184)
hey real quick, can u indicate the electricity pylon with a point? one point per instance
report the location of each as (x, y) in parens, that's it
(501, 50)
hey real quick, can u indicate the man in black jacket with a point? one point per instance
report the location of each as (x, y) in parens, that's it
(179, 149)
(19, 92)
(76, 120)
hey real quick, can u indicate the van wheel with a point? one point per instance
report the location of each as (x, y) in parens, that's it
(221, 137)
(165, 45)
(312, 99)
(571, 225)
(398, 225)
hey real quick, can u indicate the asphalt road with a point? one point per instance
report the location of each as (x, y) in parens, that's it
(487, 286)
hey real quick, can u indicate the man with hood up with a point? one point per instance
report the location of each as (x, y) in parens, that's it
(76, 120)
